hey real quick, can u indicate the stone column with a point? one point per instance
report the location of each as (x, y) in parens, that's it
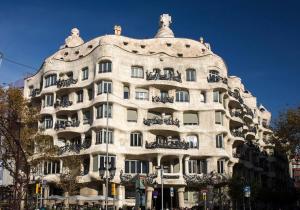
(181, 197)
(149, 191)
(91, 164)
(150, 166)
(120, 196)
(186, 166)
(180, 164)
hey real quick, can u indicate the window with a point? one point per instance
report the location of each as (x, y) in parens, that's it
(182, 96)
(136, 167)
(79, 96)
(217, 97)
(197, 166)
(137, 72)
(86, 117)
(101, 137)
(136, 139)
(126, 92)
(203, 97)
(131, 115)
(85, 73)
(168, 72)
(190, 75)
(164, 94)
(213, 76)
(50, 80)
(49, 100)
(100, 161)
(193, 141)
(190, 119)
(141, 94)
(51, 167)
(48, 122)
(219, 141)
(105, 66)
(218, 118)
(220, 165)
(104, 87)
(103, 111)
(90, 93)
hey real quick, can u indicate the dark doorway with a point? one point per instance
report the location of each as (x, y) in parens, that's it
(167, 199)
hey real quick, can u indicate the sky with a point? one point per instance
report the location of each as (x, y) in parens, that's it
(258, 39)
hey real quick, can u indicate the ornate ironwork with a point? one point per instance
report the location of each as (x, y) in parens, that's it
(167, 143)
(248, 111)
(212, 178)
(159, 121)
(252, 129)
(63, 103)
(156, 75)
(65, 124)
(150, 178)
(236, 113)
(35, 92)
(166, 99)
(130, 178)
(74, 147)
(66, 82)
(235, 94)
(237, 133)
(217, 78)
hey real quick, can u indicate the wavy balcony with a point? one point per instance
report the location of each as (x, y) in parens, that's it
(212, 178)
(63, 104)
(159, 121)
(35, 92)
(61, 83)
(167, 143)
(74, 147)
(157, 75)
(166, 99)
(66, 124)
(236, 95)
(217, 79)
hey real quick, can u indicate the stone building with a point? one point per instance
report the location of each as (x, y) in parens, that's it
(170, 103)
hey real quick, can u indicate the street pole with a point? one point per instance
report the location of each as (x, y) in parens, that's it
(162, 186)
(106, 161)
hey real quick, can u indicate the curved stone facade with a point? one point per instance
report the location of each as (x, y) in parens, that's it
(171, 102)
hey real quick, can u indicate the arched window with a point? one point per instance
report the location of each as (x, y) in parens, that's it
(136, 139)
(105, 66)
(190, 75)
(137, 72)
(182, 96)
(50, 80)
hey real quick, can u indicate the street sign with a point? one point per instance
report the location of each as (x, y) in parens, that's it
(247, 191)
(155, 194)
(171, 191)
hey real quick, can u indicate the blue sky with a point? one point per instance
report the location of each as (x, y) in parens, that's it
(258, 39)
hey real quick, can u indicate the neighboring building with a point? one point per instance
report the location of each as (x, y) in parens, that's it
(171, 103)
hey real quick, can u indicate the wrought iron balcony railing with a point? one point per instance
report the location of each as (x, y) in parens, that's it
(127, 178)
(248, 111)
(65, 124)
(237, 133)
(252, 129)
(167, 143)
(157, 75)
(215, 79)
(236, 113)
(236, 95)
(66, 82)
(166, 99)
(159, 121)
(74, 147)
(35, 92)
(212, 178)
(63, 103)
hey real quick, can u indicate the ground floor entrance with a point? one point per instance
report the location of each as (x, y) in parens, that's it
(169, 201)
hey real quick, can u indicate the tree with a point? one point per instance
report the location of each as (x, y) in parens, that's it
(18, 131)
(287, 131)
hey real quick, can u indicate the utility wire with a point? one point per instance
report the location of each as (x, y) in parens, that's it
(2, 57)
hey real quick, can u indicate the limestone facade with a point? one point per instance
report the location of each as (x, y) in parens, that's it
(171, 103)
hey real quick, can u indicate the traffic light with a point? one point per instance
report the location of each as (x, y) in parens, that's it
(38, 188)
(113, 189)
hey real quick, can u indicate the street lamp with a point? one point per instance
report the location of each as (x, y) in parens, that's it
(110, 170)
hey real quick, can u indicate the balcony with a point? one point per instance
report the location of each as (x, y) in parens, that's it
(157, 75)
(248, 111)
(236, 95)
(216, 79)
(236, 113)
(127, 178)
(166, 99)
(159, 121)
(74, 147)
(167, 143)
(212, 178)
(35, 92)
(62, 103)
(237, 133)
(66, 124)
(66, 82)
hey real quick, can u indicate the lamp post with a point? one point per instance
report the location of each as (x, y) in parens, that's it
(107, 172)
(161, 168)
